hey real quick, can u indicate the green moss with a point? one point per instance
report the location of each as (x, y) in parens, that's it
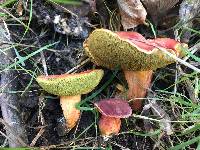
(106, 49)
(72, 84)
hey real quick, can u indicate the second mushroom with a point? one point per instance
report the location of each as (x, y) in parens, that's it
(70, 87)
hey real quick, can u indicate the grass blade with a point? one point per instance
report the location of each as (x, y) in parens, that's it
(184, 144)
(27, 57)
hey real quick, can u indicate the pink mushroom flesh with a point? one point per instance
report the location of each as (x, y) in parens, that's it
(148, 44)
(136, 39)
(130, 35)
(166, 43)
(63, 75)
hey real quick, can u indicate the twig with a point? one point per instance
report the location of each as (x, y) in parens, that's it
(37, 137)
(65, 9)
(172, 56)
(44, 64)
(192, 50)
(120, 146)
(176, 79)
(41, 107)
(81, 64)
(180, 60)
(16, 19)
(9, 39)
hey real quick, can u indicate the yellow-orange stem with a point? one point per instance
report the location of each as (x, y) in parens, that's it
(71, 114)
(138, 83)
(109, 125)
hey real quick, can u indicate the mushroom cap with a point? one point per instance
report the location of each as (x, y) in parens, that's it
(71, 84)
(129, 50)
(113, 107)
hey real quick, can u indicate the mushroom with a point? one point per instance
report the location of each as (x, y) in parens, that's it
(112, 110)
(136, 56)
(70, 87)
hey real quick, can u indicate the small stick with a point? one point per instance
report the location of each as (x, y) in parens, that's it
(37, 137)
(192, 50)
(65, 9)
(174, 57)
(78, 66)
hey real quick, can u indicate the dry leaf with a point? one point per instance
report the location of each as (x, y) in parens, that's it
(19, 9)
(158, 8)
(132, 13)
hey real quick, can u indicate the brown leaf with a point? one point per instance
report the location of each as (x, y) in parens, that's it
(158, 8)
(132, 13)
(19, 9)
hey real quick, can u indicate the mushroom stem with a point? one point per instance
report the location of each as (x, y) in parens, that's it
(109, 125)
(70, 112)
(138, 83)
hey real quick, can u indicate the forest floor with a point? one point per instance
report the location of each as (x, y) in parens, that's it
(47, 37)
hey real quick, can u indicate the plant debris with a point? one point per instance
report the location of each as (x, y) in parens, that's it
(132, 13)
(157, 9)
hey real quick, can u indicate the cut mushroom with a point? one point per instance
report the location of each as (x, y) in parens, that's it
(136, 56)
(70, 87)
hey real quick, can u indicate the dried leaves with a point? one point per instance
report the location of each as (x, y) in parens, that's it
(132, 13)
(158, 8)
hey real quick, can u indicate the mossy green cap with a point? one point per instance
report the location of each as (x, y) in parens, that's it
(106, 48)
(71, 84)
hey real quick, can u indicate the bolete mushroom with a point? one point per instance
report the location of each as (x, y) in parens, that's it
(70, 87)
(112, 110)
(136, 56)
